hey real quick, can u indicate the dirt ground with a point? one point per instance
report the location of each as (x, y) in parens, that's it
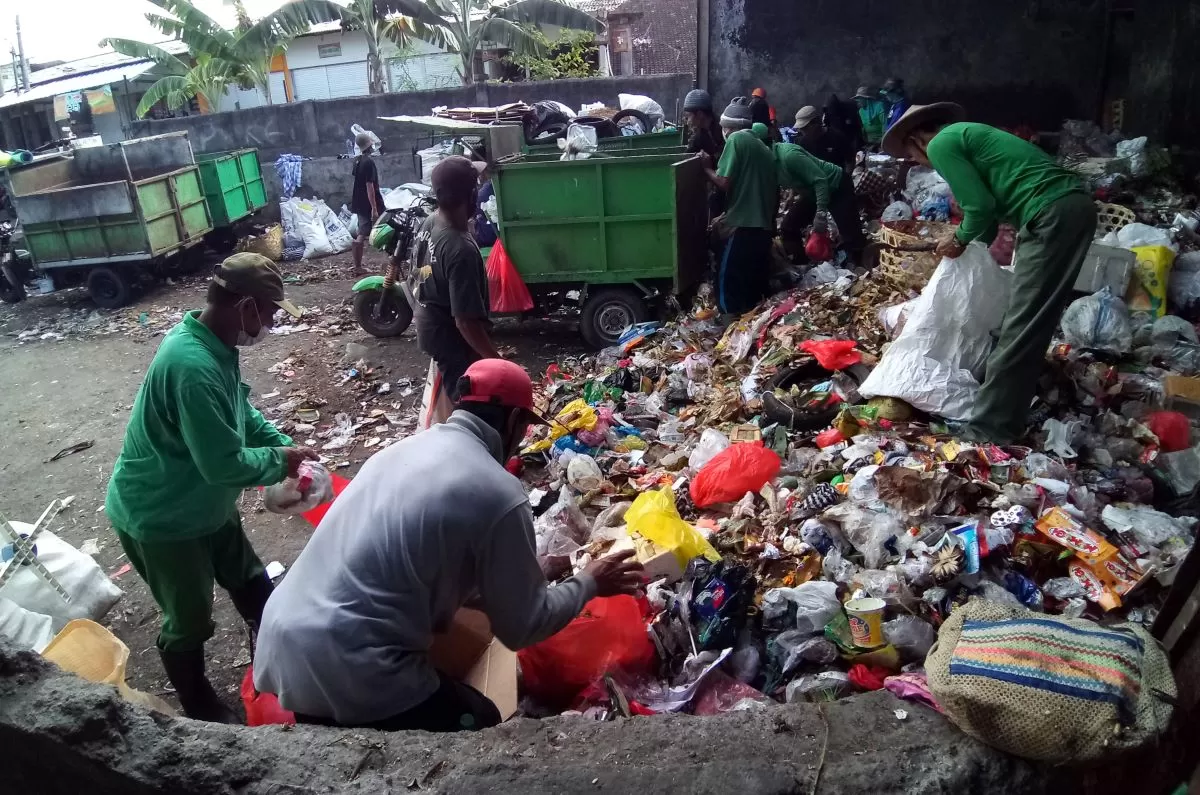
(69, 374)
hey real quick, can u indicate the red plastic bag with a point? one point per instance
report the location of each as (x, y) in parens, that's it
(506, 289)
(609, 634)
(833, 354)
(262, 709)
(829, 437)
(733, 472)
(1173, 430)
(819, 247)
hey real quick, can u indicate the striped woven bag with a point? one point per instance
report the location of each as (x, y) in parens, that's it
(1049, 688)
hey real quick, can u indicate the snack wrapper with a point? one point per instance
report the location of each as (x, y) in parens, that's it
(1063, 529)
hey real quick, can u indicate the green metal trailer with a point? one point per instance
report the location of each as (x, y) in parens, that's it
(623, 229)
(658, 140)
(233, 185)
(106, 212)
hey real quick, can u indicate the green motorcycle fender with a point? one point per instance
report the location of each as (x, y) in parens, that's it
(373, 283)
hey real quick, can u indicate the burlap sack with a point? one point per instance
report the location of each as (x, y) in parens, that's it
(1049, 688)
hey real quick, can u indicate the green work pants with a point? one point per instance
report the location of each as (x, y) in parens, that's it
(1050, 251)
(181, 575)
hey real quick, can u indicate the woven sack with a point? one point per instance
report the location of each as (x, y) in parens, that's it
(1049, 688)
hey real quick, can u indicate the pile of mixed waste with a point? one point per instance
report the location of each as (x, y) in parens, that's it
(808, 518)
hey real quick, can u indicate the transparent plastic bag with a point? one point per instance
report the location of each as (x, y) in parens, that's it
(711, 442)
(563, 529)
(1099, 321)
(579, 143)
(312, 486)
(912, 636)
(816, 604)
(794, 647)
(583, 473)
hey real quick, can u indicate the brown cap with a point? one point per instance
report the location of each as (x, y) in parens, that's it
(919, 116)
(254, 276)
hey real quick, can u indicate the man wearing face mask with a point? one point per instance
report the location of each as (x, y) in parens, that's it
(345, 638)
(192, 445)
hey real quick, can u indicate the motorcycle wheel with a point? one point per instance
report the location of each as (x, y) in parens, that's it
(11, 293)
(395, 316)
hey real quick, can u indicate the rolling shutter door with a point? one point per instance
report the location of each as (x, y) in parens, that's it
(347, 79)
(310, 83)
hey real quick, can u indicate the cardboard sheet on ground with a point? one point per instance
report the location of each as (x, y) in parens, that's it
(937, 360)
(468, 652)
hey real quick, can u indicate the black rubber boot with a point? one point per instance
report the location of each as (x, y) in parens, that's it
(185, 669)
(250, 600)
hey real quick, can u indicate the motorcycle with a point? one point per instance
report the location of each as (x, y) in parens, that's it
(16, 267)
(383, 304)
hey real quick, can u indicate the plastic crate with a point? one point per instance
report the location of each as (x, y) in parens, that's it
(1106, 266)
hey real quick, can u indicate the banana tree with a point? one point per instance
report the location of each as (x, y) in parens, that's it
(464, 26)
(207, 77)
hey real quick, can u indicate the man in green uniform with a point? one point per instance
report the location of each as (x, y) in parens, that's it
(192, 445)
(872, 113)
(998, 177)
(746, 175)
(832, 190)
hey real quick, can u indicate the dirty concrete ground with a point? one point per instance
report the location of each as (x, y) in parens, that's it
(58, 392)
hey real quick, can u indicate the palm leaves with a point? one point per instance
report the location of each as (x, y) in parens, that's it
(463, 26)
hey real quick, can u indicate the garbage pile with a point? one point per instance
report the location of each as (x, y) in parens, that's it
(803, 542)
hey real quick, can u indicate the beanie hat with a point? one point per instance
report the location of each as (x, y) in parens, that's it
(737, 114)
(698, 99)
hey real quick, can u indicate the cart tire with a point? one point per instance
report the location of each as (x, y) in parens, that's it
(607, 312)
(109, 288)
(10, 292)
(395, 318)
(222, 241)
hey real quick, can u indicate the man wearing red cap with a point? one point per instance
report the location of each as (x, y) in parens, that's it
(428, 524)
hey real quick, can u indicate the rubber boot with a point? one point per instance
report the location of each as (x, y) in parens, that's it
(250, 600)
(185, 669)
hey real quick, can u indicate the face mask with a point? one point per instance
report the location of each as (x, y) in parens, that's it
(245, 339)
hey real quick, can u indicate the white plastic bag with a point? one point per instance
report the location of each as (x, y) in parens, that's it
(92, 593)
(25, 628)
(645, 105)
(711, 442)
(912, 636)
(563, 529)
(1099, 321)
(579, 143)
(1059, 436)
(1135, 150)
(897, 211)
(816, 604)
(936, 362)
(297, 495)
(357, 130)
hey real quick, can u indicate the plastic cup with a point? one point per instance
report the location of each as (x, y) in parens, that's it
(866, 622)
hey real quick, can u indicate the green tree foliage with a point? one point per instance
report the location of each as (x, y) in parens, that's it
(566, 56)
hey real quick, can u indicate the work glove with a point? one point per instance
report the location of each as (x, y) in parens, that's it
(821, 222)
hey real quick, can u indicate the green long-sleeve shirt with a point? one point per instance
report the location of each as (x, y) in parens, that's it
(799, 169)
(995, 177)
(193, 442)
(874, 120)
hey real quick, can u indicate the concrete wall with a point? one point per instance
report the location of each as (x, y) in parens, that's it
(1007, 62)
(321, 129)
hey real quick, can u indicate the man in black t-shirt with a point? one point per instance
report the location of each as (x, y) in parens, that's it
(452, 285)
(367, 201)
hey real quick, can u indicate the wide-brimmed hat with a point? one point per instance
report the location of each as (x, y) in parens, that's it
(806, 116)
(919, 116)
(865, 92)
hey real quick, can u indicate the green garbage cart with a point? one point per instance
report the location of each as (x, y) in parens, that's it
(107, 214)
(614, 235)
(234, 189)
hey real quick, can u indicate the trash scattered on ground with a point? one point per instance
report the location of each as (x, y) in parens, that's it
(78, 447)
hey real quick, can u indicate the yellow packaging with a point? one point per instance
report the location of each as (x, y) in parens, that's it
(1148, 288)
(1061, 528)
(653, 516)
(866, 622)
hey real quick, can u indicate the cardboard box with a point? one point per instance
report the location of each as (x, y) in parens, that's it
(468, 652)
(658, 562)
(1182, 394)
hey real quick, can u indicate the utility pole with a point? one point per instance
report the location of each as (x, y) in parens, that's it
(24, 61)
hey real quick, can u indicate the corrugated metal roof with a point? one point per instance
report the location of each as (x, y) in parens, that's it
(82, 82)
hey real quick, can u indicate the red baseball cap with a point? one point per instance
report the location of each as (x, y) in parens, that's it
(501, 383)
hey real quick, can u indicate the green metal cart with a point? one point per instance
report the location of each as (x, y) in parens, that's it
(107, 212)
(234, 189)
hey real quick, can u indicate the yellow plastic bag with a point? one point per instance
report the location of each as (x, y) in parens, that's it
(91, 652)
(653, 516)
(575, 416)
(1148, 289)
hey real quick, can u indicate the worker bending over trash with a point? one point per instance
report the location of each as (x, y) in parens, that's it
(428, 524)
(996, 176)
(833, 192)
(746, 175)
(192, 444)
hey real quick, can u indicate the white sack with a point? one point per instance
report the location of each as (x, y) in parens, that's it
(92, 593)
(937, 360)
